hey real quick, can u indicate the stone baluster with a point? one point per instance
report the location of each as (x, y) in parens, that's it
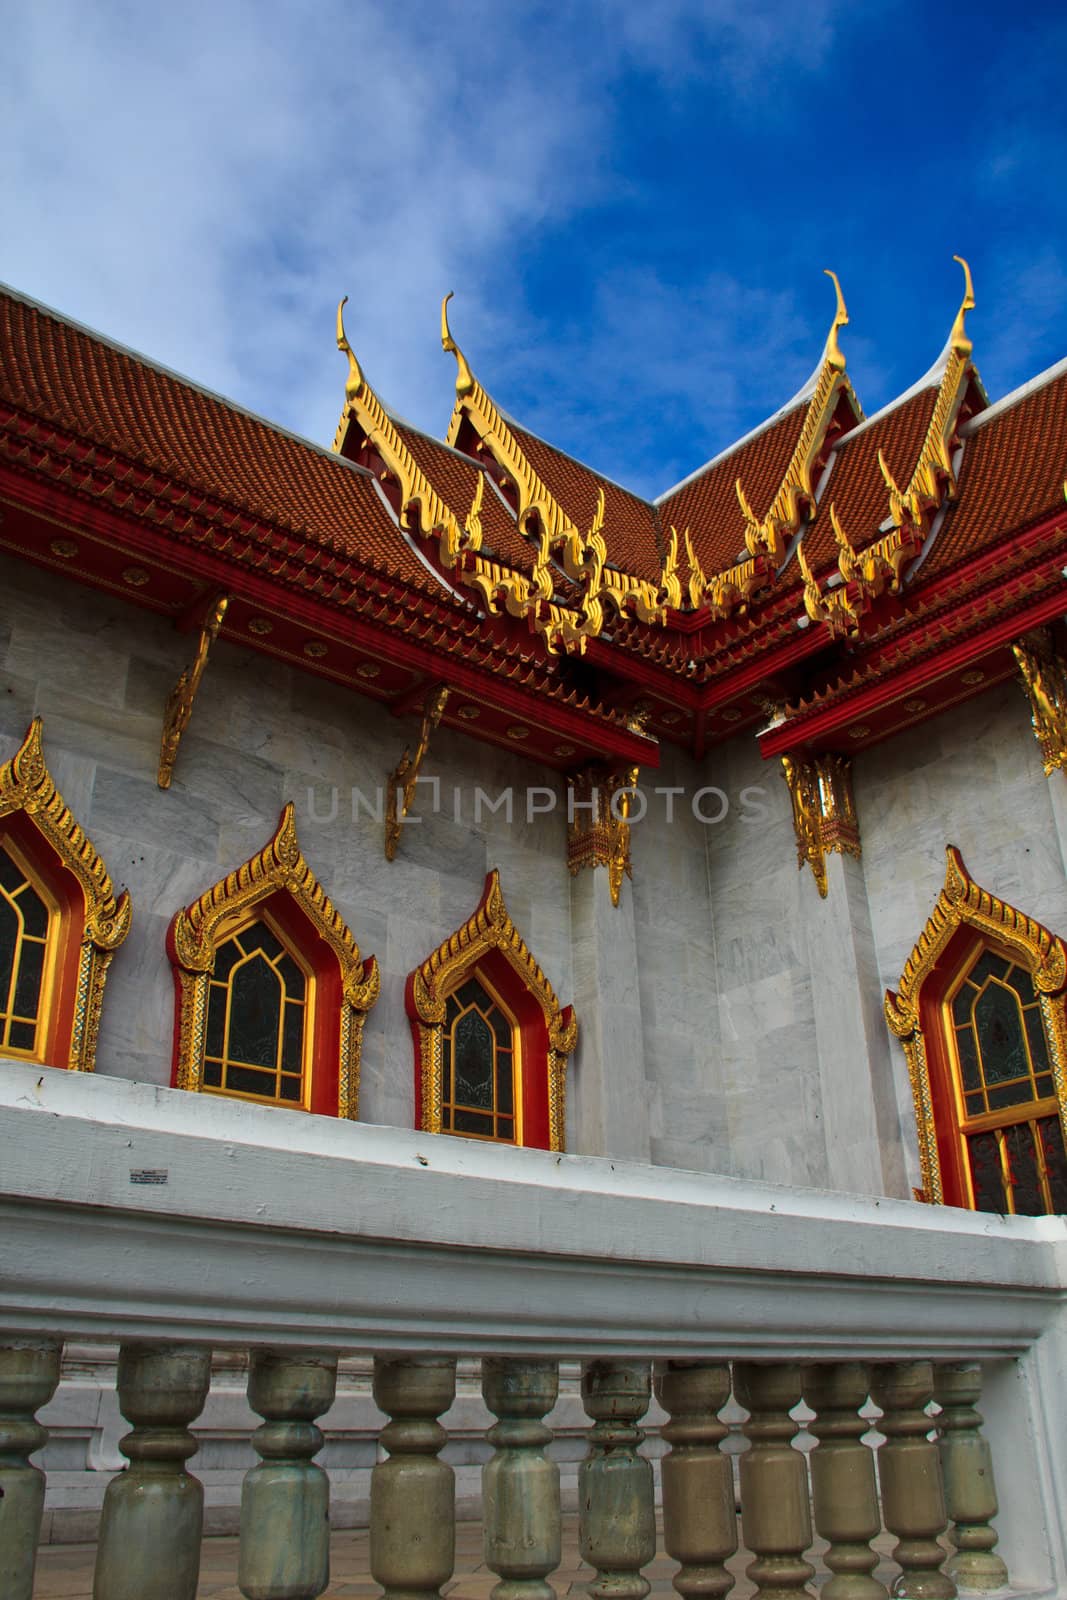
(285, 1499)
(843, 1482)
(29, 1373)
(520, 1486)
(413, 1495)
(616, 1510)
(153, 1516)
(699, 1516)
(967, 1472)
(913, 1502)
(775, 1513)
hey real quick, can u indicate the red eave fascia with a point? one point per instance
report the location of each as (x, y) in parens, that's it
(134, 537)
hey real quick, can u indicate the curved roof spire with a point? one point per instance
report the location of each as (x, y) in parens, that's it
(832, 353)
(958, 337)
(356, 380)
(464, 375)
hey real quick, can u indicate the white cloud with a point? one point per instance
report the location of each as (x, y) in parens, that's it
(204, 182)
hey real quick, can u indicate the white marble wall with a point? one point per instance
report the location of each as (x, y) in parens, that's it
(710, 1034)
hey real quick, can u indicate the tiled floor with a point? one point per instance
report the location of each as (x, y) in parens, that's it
(65, 1572)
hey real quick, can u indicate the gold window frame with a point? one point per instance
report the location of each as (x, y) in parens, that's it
(516, 1055)
(963, 903)
(27, 787)
(459, 956)
(262, 914)
(233, 903)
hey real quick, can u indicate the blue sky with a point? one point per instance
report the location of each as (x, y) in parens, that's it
(634, 202)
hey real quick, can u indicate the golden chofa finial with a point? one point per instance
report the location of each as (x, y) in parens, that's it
(464, 375)
(833, 349)
(355, 376)
(958, 337)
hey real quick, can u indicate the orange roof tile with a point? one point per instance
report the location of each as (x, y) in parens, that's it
(631, 526)
(856, 486)
(1012, 474)
(455, 477)
(60, 373)
(707, 503)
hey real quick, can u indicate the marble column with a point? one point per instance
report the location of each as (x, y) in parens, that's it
(607, 1100)
(861, 1123)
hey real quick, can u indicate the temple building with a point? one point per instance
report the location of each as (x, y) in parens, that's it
(443, 784)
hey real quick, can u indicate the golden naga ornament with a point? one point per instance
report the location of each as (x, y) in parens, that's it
(179, 706)
(824, 811)
(1044, 679)
(405, 775)
(27, 786)
(228, 906)
(964, 903)
(489, 933)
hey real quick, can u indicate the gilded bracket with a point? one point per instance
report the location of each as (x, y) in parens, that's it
(599, 809)
(824, 811)
(865, 574)
(1044, 675)
(405, 775)
(179, 706)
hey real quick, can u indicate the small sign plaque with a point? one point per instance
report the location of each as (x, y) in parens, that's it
(154, 1175)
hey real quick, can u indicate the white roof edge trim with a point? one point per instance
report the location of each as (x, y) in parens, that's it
(1014, 397)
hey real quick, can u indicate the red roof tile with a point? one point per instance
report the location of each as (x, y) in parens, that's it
(707, 504)
(62, 374)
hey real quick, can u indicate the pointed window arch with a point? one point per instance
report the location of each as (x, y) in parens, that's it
(982, 1014)
(491, 1039)
(271, 990)
(60, 921)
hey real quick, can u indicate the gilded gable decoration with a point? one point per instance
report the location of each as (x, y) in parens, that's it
(1044, 680)
(95, 923)
(824, 811)
(964, 905)
(933, 479)
(278, 872)
(489, 947)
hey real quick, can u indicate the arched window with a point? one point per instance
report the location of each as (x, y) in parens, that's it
(272, 991)
(491, 1039)
(981, 1012)
(60, 922)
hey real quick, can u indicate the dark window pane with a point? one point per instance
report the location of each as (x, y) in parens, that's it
(255, 1014)
(472, 1122)
(22, 1035)
(505, 1082)
(34, 912)
(294, 980)
(985, 1173)
(1011, 1094)
(999, 1025)
(260, 937)
(1035, 1033)
(226, 958)
(1051, 1133)
(290, 1088)
(9, 932)
(473, 1055)
(213, 1074)
(505, 1128)
(452, 1010)
(501, 1028)
(215, 1037)
(1045, 1089)
(28, 981)
(245, 1081)
(989, 965)
(972, 1076)
(975, 1104)
(11, 874)
(1022, 1164)
(293, 1038)
(472, 993)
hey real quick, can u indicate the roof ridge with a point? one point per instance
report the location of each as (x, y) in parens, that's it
(10, 292)
(1014, 397)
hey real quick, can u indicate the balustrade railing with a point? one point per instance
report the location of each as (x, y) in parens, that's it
(875, 1322)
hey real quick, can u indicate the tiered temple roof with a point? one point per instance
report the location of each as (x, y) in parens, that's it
(829, 579)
